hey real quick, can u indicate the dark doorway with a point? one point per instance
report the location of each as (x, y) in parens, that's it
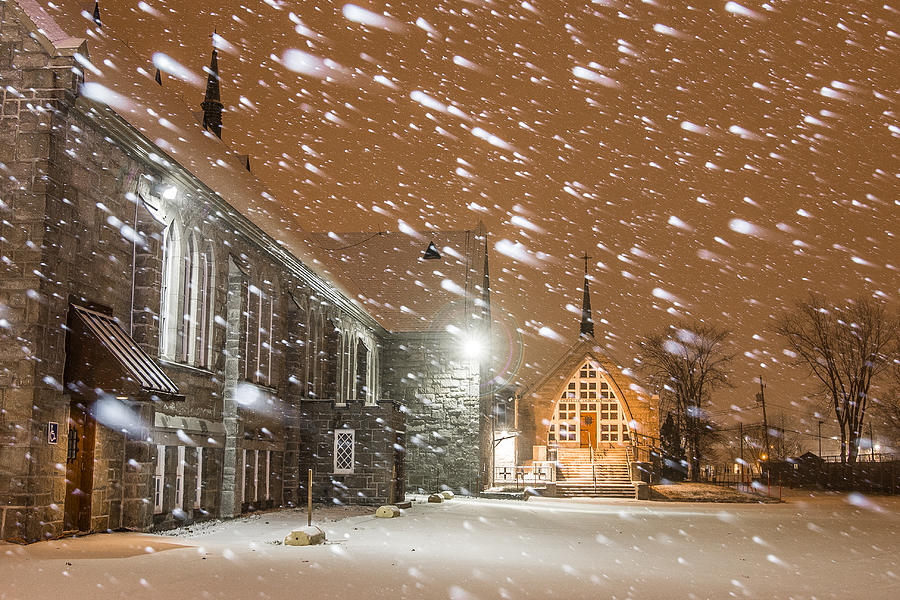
(79, 467)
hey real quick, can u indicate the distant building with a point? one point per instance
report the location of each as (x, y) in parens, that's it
(172, 345)
(587, 421)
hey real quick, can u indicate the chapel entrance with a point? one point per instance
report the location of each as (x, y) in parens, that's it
(590, 413)
(588, 436)
(79, 467)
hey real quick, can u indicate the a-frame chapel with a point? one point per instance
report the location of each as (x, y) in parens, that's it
(586, 427)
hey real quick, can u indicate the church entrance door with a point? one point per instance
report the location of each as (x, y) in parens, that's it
(588, 429)
(79, 468)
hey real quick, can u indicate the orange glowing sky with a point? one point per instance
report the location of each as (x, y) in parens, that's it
(718, 160)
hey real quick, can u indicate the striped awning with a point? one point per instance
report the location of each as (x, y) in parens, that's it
(140, 367)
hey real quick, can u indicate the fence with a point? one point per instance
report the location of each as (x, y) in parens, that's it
(872, 477)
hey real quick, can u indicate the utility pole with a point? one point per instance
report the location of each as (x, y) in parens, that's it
(783, 451)
(742, 453)
(820, 438)
(761, 399)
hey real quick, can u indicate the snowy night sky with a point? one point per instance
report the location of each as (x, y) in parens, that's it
(717, 160)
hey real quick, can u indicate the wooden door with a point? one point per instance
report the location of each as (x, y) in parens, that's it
(588, 429)
(79, 468)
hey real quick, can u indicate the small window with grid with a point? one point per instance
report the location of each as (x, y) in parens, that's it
(344, 450)
(567, 432)
(566, 410)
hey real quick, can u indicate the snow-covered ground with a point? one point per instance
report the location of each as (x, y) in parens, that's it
(809, 547)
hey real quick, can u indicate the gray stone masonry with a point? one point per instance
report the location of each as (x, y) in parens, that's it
(378, 452)
(440, 393)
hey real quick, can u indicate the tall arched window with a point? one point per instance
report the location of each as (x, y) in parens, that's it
(265, 325)
(189, 276)
(311, 352)
(362, 370)
(205, 314)
(169, 320)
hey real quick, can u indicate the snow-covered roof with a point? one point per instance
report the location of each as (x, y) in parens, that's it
(402, 289)
(383, 273)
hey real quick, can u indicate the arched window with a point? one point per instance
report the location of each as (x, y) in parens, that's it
(204, 316)
(189, 276)
(311, 352)
(265, 325)
(362, 371)
(170, 291)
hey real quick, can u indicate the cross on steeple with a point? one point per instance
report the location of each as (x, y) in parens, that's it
(587, 322)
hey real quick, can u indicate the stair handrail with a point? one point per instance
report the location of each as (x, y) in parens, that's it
(593, 465)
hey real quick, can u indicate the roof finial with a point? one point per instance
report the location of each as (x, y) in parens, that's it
(212, 103)
(587, 322)
(96, 14)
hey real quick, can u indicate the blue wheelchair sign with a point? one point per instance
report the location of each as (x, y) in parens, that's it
(52, 432)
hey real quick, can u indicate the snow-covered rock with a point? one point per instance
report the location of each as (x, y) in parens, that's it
(305, 536)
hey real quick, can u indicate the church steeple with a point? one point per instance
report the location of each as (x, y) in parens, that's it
(587, 322)
(212, 103)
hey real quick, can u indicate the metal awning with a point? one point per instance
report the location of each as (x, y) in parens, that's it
(139, 366)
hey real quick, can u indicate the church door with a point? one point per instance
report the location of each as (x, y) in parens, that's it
(79, 468)
(588, 429)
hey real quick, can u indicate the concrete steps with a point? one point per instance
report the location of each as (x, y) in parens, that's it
(575, 473)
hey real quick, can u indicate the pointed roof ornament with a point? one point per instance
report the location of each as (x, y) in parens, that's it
(587, 321)
(212, 102)
(431, 252)
(96, 14)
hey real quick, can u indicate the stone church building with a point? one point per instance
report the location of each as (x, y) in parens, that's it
(173, 344)
(586, 427)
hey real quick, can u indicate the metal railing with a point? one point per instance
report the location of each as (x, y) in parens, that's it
(593, 462)
(541, 472)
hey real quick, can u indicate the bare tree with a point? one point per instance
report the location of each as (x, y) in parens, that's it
(690, 360)
(887, 405)
(845, 348)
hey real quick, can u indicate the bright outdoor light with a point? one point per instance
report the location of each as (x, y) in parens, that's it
(472, 347)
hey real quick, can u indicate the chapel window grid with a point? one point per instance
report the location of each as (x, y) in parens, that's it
(584, 383)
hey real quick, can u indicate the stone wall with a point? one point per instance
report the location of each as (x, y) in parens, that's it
(70, 196)
(34, 87)
(440, 393)
(379, 437)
